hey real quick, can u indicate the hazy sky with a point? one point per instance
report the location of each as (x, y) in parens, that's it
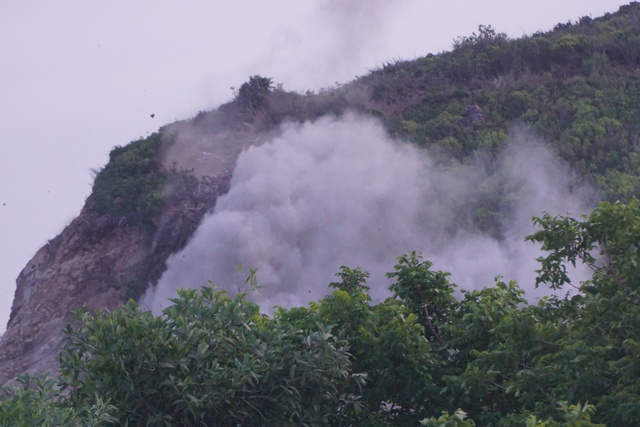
(79, 77)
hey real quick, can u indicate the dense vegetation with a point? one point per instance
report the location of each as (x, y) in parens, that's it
(211, 359)
(576, 86)
(135, 185)
(130, 185)
(427, 355)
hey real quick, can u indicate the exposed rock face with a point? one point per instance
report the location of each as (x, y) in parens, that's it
(473, 115)
(101, 261)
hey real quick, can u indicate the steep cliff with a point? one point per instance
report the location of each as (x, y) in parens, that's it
(109, 254)
(576, 86)
(94, 262)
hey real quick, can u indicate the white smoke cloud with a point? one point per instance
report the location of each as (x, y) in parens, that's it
(342, 192)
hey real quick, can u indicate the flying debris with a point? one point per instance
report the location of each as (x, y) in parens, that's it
(153, 115)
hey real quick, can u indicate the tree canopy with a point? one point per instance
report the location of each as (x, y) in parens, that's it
(430, 354)
(427, 355)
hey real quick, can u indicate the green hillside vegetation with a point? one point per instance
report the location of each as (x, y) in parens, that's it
(423, 356)
(214, 360)
(576, 86)
(130, 185)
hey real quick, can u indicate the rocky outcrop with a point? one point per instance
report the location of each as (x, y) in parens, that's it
(98, 261)
(102, 260)
(473, 115)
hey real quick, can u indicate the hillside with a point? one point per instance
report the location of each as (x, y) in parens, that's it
(576, 88)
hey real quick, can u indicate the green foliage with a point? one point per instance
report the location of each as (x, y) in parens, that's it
(211, 359)
(387, 342)
(130, 185)
(485, 37)
(576, 86)
(573, 416)
(36, 401)
(568, 48)
(411, 359)
(252, 94)
(606, 241)
(428, 294)
(445, 420)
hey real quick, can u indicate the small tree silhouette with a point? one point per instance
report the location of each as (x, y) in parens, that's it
(252, 94)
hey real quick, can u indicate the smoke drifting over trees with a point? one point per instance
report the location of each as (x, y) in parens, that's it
(342, 192)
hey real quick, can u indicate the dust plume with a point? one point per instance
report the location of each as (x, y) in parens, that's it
(355, 27)
(342, 192)
(346, 38)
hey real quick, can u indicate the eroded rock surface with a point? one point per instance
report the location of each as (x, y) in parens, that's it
(98, 261)
(101, 261)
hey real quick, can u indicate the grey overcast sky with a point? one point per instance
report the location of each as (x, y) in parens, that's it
(79, 77)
